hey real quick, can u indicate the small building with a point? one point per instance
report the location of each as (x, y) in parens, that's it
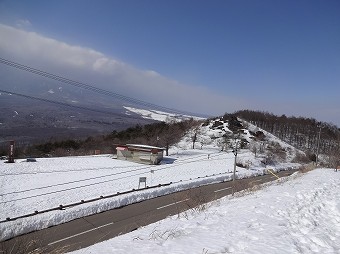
(140, 153)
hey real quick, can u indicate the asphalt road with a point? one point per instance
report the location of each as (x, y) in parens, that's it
(86, 231)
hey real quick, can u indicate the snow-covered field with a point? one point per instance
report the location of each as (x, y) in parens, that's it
(300, 215)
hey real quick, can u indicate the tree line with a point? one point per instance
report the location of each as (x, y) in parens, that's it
(162, 134)
(306, 134)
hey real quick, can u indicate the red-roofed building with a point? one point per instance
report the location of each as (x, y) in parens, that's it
(140, 153)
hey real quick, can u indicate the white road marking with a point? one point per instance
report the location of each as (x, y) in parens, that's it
(259, 180)
(87, 231)
(222, 189)
(173, 204)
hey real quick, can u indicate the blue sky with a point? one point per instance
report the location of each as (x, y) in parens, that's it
(277, 56)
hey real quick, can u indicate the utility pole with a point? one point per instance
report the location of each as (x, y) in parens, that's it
(317, 148)
(11, 152)
(235, 151)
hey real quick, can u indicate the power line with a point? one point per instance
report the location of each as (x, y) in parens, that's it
(76, 181)
(89, 87)
(63, 171)
(58, 191)
(196, 159)
(68, 105)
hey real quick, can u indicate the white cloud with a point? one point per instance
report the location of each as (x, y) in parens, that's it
(22, 23)
(90, 66)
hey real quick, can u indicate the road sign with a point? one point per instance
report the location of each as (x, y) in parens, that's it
(142, 180)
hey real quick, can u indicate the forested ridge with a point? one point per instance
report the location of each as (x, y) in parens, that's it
(303, 133)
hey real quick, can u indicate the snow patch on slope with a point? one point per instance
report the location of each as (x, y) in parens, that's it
(159, 115)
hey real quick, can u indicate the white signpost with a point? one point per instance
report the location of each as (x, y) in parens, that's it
(142, 180)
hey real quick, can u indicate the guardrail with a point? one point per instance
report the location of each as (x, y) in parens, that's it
(63, 207)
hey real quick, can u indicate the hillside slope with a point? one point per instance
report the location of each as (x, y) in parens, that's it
(231, 134)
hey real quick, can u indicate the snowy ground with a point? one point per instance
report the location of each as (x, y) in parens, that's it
(300, 215)
(27, 187)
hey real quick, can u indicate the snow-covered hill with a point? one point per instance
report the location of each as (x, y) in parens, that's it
(230, 133)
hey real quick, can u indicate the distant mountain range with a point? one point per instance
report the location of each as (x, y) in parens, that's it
(52, 111)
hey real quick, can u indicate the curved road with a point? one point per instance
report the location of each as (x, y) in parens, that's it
(86, 231)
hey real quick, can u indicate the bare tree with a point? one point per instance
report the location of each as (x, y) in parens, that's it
(254, 147)
(334, 159)
(171, 135)
(195, 135)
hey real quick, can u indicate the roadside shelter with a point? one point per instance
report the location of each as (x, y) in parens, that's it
(140, 153)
